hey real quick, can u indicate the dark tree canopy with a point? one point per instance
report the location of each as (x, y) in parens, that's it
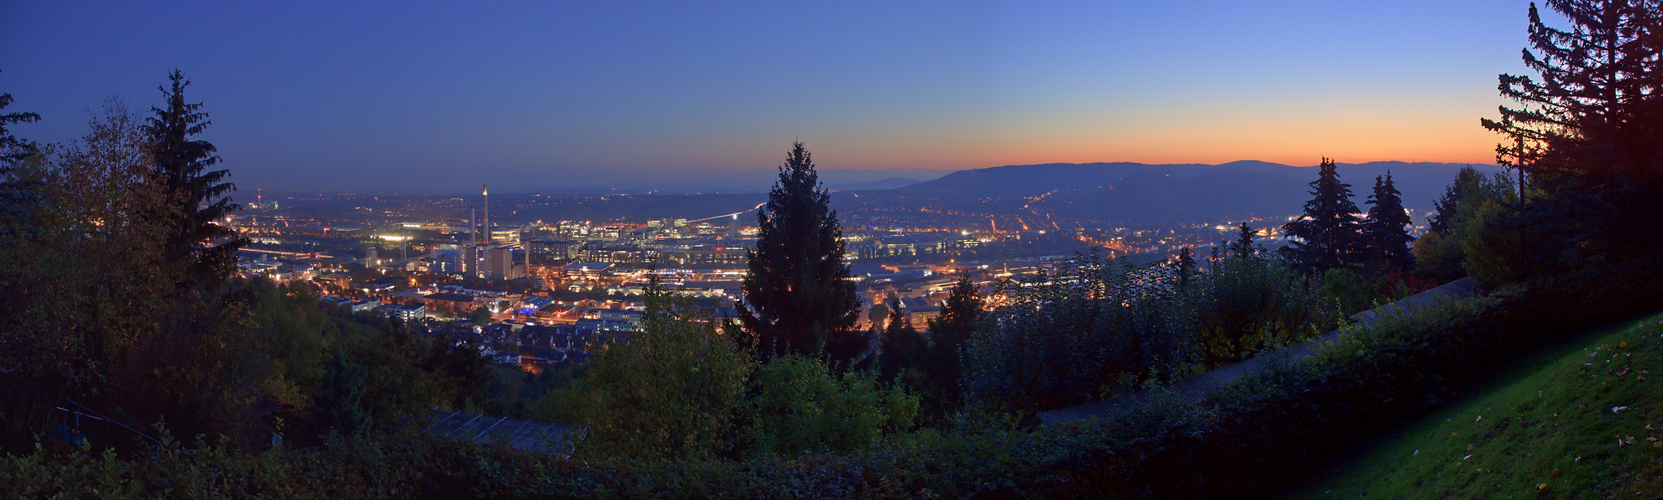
(1586, 133)
(12, 149)
(1243, 246)
(1597, 80)
(1386, 231)
(798, 295)
(1327, 235)
(1186, 267)
(1465, 181)
(901, 347)
(960, 315)
(15, 195)
(181, 165)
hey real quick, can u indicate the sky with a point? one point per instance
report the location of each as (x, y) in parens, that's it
(421, 96)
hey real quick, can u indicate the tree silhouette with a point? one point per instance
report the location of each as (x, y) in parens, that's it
(948, 332)
(1186, 267)
(1244, 241)
(181, 168)
(1386, 231)
(15, 195)
(1584, 132)
(798, 295)
(1466, 180)
(901, 347)
(1328, 233)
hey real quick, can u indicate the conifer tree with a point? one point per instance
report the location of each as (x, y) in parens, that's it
(1186, 267)
(1386, 229)
(1465, 181)
(1244, 241)
(15, 194)
(181, 169)
(798, 295)
(901, 347)
(1328, 233)
(948, 332)
(1583, 133)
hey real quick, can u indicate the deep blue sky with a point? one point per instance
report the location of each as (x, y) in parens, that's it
(447, 95)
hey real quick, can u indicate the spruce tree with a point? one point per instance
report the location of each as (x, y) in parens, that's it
(1244, 241)
(16, 195)
(1584, 131)
(1328, 233)
(1465, 181)
(191, 208)
(798, 295)
(1386, 231)
(1186, 267)
(901, 347)
(948, 333)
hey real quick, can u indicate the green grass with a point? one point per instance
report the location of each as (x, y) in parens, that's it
(1549, 432)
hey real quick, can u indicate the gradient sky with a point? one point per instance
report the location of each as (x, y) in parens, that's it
(440, 96)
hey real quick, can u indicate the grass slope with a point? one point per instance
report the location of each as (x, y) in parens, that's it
(1587, 423)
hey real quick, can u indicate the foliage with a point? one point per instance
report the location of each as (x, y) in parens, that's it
(1327, 235)
(189, 208)
(673, 390)
(460, 373)
(1072, 335)
(961, 315)
(1243, 246)
(1442, 256)
(800, 407)
(1585, 131)
(1248, 302)
(798, 295)
(1491, 250)
(480, 316)
(1446, 206)
(1386, 228)
(901, 347)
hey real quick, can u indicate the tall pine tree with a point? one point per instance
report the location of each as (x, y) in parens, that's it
(1186, 267)
(959, 316)
(1244, 241)
(16, 195)
(798, 295)
(1466, 180)
(1327, 235)
(1386, 231)
(208, 249)
(1584, 132)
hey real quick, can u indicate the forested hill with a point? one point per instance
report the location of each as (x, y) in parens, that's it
(1136, 192)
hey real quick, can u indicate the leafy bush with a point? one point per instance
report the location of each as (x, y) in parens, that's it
(1247, 302)
(672, 390)
(1092, 327)
(800, 406)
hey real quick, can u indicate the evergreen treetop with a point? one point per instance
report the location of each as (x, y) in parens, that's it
(1327, 235)
(1465, 181)
(798, 294)
(181, 169)
(1243, 245)
(1386, 232)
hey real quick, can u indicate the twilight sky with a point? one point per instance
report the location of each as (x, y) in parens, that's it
(444, 96)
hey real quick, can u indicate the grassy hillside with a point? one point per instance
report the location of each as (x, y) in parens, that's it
(1584, 421)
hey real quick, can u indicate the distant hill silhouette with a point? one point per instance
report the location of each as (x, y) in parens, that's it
(1142, 193)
